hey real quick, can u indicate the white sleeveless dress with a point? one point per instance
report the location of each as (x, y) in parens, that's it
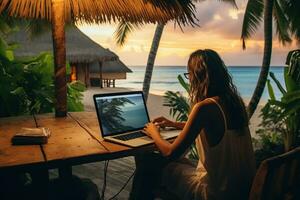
(224, 171)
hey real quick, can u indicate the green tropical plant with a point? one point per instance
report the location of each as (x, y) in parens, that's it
(179, 109)
(281, 117)
(75, 96)
(26, 85)
(178, 103)
(286, 17)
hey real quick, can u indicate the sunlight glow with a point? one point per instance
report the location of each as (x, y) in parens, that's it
(219, 29)
(234, 13)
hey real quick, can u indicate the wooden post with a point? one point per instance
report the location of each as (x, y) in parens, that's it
(59, 52)
(100, 73)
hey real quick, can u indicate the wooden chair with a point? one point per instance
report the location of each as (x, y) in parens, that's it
(278, 178)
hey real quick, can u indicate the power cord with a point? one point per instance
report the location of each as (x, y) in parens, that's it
(104, 180)
(102, 197)
(122, 188)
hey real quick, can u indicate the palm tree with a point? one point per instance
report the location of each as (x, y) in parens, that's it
(258, 10)
(151, 59)
(59, 44)
(124, 29)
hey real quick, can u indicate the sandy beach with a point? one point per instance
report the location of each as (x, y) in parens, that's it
(154, 105)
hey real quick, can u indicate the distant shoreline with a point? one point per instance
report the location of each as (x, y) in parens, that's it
(162, 92)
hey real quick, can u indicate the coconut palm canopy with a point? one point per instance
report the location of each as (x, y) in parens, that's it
(79, 47)
(102, 11)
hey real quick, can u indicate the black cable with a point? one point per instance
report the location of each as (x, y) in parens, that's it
(104, 180)
(122, 188)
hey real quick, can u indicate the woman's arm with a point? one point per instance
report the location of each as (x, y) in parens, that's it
(196, 122)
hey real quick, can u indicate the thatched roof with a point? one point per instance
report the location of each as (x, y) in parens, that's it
(80, 48)
(109, 67)
(102, 11)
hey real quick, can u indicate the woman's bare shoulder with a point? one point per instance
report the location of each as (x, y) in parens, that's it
(206, 103)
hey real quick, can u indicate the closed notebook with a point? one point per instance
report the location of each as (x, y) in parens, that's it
(31, 136)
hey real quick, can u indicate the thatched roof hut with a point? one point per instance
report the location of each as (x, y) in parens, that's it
(82, 53)
(111, 70)
(79, 47)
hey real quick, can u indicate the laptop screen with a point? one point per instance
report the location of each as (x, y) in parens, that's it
(121, 113)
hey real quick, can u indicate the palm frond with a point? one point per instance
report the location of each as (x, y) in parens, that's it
(123, 30)
(252, 18)
(179, 106)
(282, 24)
(291, 8)
(293, 61)
(184, 84)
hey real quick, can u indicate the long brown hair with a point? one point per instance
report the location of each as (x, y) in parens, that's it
(209, 77)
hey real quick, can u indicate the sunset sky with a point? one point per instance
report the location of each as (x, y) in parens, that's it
(220, 29)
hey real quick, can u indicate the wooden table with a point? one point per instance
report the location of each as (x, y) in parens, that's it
(74, 140)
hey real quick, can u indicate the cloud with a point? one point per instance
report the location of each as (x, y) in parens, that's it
(220, 29)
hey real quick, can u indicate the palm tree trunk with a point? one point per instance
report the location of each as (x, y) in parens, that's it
(59, 52)
(151, 59)
(268, 9)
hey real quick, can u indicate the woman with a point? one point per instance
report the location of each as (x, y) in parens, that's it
(218, 124)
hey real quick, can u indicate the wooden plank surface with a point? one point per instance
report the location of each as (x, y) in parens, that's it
(69, 143)
(12, 156)
(89, 121)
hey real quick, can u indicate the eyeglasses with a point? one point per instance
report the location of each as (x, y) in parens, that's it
(186, 75)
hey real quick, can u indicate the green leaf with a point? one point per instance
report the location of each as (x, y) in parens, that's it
(282, 23)
(252, 18)
(179, 106)
(10, 55)
(184, 84)
(18, 91)
(270, 90)
(278, 84)
(290, 83)
(291, 96)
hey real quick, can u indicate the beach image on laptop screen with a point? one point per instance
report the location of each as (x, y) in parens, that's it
(121, 113)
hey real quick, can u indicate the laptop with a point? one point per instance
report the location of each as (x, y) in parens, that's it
(122, 117)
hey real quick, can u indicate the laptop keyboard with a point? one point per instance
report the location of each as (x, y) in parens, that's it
(130, 136)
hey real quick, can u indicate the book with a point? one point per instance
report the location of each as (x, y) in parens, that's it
(31, 136)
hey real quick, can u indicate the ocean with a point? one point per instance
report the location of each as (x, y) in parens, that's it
(165, 78)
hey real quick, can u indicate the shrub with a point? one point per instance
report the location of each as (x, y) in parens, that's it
(280, 127)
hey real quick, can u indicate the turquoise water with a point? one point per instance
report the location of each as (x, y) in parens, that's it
(165, 78)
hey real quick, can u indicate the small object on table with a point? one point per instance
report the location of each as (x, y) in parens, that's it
(31, 136)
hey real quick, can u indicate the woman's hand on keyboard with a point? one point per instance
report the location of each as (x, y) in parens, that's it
(163, 122)
(152, 130)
